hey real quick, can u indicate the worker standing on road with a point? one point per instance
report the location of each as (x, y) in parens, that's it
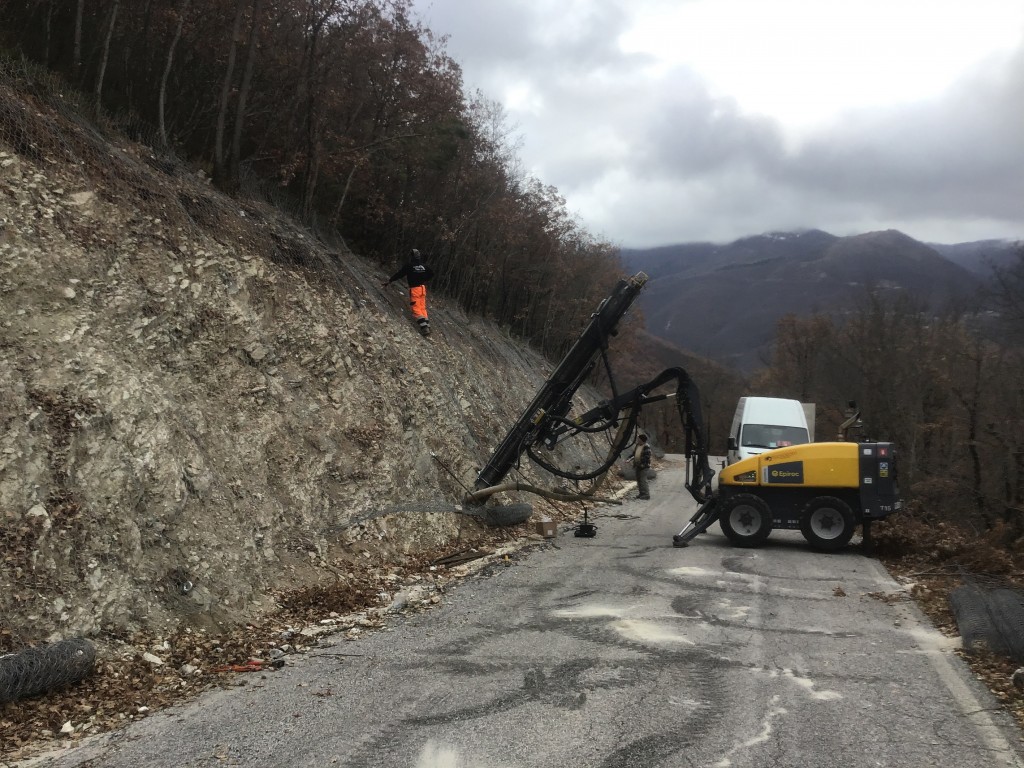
(641, 463)
(416, 273)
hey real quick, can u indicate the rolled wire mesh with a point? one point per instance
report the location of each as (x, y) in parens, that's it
(502, 515)
(990, 618)
(44, 668)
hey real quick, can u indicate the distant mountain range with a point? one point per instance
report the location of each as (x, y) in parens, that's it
(722, 301)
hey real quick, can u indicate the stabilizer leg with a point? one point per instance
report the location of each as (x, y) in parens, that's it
(706, 514)
(868, 545)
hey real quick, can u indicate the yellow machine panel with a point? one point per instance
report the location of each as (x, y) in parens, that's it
(814, 465)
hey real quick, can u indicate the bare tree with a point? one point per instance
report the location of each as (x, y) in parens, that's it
(48, 32)
(1009, 294)
(243, 94)
(98, 92)
(219, 167)
(970, 397)
(182, 9)
(76, 56)
(800, 349)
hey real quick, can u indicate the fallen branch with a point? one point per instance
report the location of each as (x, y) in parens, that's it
(460, 557)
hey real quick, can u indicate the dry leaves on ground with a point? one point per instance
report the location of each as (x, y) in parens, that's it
(935, 559)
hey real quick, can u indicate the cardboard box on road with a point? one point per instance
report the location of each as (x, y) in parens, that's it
(546, 527)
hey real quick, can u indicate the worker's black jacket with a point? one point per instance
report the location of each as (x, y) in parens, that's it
(416, 274)
(645, 457)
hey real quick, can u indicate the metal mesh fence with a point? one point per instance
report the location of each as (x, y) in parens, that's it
(44, 668)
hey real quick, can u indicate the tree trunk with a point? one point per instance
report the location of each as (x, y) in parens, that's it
(1017, 496)
(182, 9)
(312, 179)
(333, 223)
(312, 127)
(147, 15)
(235, 160)
(98, 94)
(76, 56)
(219, 169)
(971, 402)
(49, 33)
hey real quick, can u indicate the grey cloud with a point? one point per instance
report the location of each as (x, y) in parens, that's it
(648, 161)
(958, 156)
(688, 132)
(496, 36)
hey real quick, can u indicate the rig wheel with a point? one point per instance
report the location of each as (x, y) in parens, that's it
(828, 523)
(746, 520)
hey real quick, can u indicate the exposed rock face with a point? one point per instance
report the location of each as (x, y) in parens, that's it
(200, 403)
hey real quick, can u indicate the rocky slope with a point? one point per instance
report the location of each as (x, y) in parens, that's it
(201, 404)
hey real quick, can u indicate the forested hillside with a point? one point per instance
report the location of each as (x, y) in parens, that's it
(350, 114)
(723, 300)
(949, 397)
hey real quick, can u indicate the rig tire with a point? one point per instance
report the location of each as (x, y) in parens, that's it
(746, 520)
(827, 523)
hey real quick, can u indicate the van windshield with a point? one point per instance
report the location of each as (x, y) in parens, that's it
(772, 436)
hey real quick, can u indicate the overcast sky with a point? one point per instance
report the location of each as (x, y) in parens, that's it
(668, 121)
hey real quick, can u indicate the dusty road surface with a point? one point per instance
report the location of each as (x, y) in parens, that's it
(614, 651)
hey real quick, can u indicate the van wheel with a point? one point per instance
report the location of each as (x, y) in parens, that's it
(746, 520)
(828, 523)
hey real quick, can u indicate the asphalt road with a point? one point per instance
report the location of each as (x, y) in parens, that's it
(615, 651)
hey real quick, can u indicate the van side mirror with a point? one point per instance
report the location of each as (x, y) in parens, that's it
(732, 444)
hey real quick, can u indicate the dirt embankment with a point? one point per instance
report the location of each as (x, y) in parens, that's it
(201, 405)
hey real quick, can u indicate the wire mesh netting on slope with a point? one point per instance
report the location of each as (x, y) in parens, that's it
(73, 184)
(61, 134)
(148, 300)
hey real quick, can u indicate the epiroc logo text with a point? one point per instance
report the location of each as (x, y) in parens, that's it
(792, 472)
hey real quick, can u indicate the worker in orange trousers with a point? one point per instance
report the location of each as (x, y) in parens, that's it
(417, 274)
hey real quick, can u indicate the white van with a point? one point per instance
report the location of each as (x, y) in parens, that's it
(763, 423)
